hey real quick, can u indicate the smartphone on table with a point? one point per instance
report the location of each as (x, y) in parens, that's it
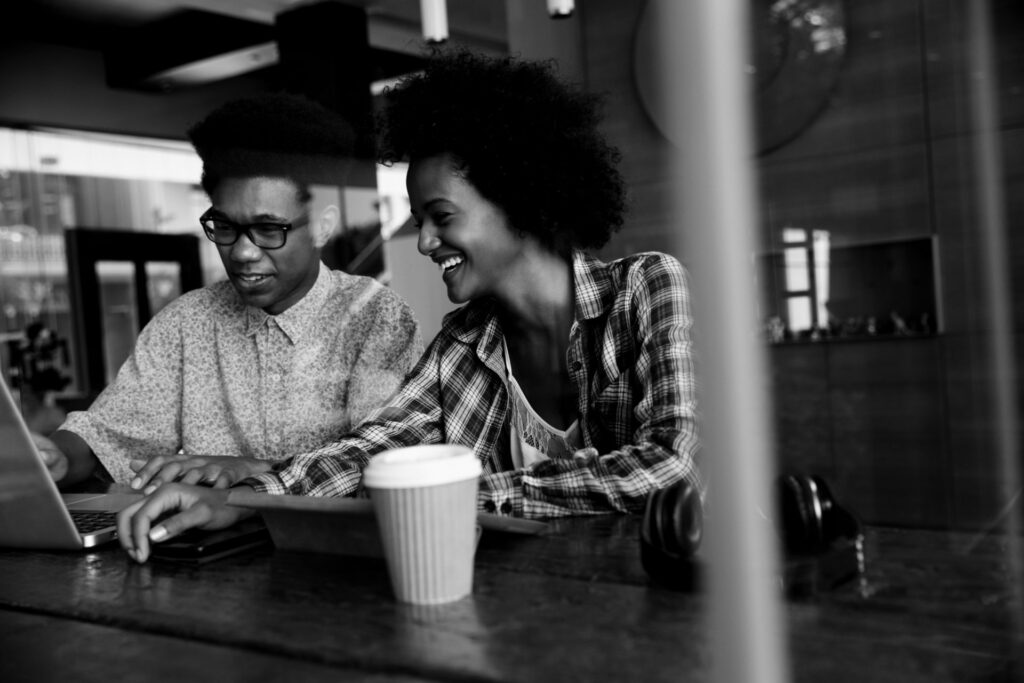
(198, 546)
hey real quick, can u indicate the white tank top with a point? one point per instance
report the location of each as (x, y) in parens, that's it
(533, 438)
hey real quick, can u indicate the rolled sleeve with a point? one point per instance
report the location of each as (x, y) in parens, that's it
(501, 493)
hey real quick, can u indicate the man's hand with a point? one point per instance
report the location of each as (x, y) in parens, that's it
(55, 459)
(216, 471)
(198, 507)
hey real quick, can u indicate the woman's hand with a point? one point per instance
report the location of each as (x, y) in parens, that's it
(215, 471)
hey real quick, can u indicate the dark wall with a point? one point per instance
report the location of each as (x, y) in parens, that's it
(904, 427)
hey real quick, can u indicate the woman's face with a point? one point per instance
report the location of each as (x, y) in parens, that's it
(467, 236)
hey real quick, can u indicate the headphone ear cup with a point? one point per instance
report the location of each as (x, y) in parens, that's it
(801, 514)
(837, 521)
(687, 519)
(673, 520)
(651, 527)
(670, 533)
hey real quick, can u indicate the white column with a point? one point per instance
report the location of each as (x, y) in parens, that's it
(704, 53)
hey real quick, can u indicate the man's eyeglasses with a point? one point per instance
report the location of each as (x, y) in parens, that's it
(263, 235)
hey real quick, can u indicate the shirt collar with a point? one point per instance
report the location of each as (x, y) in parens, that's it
(594, 288)
(297, 320)
(594, 292)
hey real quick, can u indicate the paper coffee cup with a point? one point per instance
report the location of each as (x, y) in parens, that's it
(424, 498)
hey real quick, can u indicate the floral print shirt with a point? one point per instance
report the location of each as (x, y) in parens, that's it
(212, 376)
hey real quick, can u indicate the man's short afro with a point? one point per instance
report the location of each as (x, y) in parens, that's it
(273, 134)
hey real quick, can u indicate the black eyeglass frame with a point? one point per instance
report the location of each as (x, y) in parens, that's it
(248, 228)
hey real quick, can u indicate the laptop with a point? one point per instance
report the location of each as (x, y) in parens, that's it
(33, 512)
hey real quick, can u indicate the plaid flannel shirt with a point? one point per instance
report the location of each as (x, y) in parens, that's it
(630, 358)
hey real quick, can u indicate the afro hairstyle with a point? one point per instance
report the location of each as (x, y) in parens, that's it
(273, 134)
(525, 140)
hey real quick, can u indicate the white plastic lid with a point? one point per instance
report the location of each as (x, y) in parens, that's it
(426, 465)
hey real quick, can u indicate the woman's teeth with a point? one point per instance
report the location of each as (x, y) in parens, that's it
(450, 262)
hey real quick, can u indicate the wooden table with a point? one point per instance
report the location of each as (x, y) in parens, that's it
(572, 605)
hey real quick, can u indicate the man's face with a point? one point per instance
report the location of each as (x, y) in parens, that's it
(271, 279)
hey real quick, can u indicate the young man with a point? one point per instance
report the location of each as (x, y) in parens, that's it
(284, 357)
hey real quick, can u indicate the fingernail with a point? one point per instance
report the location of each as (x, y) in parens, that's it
(157, 534)
(136, 483)
(149, 489)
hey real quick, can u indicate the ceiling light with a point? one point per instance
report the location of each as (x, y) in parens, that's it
(434, 14)
(559, 9)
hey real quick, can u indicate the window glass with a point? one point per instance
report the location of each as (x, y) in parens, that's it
(51, 180)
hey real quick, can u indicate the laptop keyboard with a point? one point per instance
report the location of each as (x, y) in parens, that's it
(88, 522)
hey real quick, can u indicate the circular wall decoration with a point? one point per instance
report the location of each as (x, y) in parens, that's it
(797, 52)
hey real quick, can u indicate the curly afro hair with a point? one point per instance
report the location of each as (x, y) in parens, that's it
(525, 140)
(273, 134)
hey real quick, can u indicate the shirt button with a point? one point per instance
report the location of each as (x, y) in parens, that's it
(506, 507)
(489, 506)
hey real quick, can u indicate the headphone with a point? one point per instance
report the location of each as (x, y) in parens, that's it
(810, 521)
(670, 533)
(811, 518)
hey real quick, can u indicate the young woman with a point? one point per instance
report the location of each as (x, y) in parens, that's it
(571, 379)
